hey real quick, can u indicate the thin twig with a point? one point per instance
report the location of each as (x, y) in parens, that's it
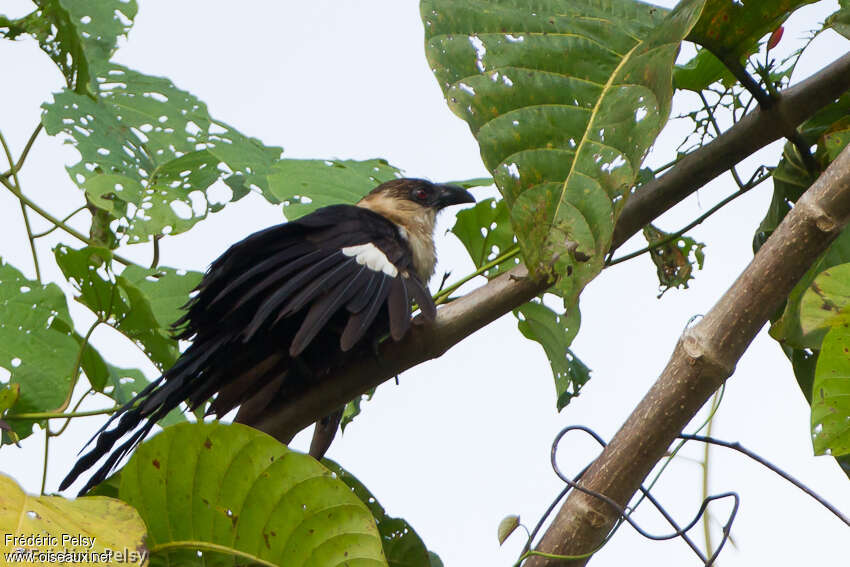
(27, 225)
(64, 220)
(17, 167)
(764, 462)
(76, 234)
(678, 234)
(443, 294)
(155, 260)
(717, 131)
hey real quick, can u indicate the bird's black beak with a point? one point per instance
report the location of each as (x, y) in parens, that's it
(452, 195)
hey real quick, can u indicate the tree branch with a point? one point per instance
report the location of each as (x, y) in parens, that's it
(753, 132)
(508, 291)
(703, 359)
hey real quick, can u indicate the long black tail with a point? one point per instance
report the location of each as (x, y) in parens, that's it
(140, 414)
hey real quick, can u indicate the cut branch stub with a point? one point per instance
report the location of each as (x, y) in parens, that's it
(564, 100)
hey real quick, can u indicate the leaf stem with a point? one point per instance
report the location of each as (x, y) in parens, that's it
(14, 168)
(60, 415)
(46, 453)
(752, 184)
(30, 237)
(64, 220)
(60, 224)
(208, 546)
(443, 295)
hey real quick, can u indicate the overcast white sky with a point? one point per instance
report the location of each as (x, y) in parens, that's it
(464, 440)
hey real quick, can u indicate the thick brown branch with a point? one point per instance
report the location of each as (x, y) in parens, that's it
(472, 312)
(753, 132)
(703, 359)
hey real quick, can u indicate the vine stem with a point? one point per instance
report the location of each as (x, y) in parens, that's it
(689, 226)
(14, 170)
(60, 415)
(441, 296)
(76, 234)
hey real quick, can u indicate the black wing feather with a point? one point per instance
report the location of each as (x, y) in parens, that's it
(276, 312)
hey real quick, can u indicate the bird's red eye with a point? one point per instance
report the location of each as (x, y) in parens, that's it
(421, 194)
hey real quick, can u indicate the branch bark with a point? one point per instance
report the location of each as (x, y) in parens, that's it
(703, 359)
(756, 130)
(466, 315)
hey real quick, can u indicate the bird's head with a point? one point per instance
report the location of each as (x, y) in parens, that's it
(420, 193)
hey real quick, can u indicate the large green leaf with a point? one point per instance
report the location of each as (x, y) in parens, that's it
(564, 99)
(149, 152)
(486, 232)
(77, 34)
(831, 394)
(244, 492)
(140, 303)
(37, 345)
(555, 332)
(94, 529)
(731, 28)
(402, 545)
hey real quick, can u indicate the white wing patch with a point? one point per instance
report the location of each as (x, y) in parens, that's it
(372, 257)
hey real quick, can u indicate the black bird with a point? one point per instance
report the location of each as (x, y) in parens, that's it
(289, 304)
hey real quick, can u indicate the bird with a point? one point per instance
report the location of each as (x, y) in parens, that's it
(288, 305)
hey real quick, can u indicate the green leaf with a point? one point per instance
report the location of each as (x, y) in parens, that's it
(826, 303)
(840, 20)
(304, 185)
(140, 303)
(149, 152)
(77, 34)
(791, 180)
(700, 72)
(124, 384)
(555, 332)
(831, 394)
(564, 99)
(486, 233)
(352, 409)
(239, 489)
(165, 289)
(40, 354)
(402, 545)
(106, 523)
(732, 28)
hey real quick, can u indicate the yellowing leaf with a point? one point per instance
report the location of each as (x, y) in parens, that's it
(89, 530)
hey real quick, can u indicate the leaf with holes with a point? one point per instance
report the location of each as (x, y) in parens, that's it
(150, 152)
(140, 303)
(402, 545)
(485, 231)
(106, 523)
(732, 28)
(826, 303)
(304, 185)
(77, 34)
(565, 99)
(244, 492)
(40, 355)
(831, 394)
(674, 259)
(555, 332)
